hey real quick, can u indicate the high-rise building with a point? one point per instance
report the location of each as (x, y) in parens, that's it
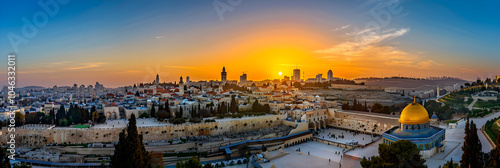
(223, 74)
(330, 75)
(319, 78)
(286, 78)
(90, 89)
(296, 74)
(243, 78)
(187, 80)
(98, 87)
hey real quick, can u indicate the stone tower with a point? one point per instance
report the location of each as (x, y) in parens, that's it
(223, 75)
(181, 87)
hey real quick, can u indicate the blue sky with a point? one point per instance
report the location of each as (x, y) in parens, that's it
(115, 42)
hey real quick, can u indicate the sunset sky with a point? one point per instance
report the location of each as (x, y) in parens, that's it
(120, 43)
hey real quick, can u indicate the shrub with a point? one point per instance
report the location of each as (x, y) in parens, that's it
(144, 115)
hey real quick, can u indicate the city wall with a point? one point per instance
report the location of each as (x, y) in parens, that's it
(36, 137)
(363, 121)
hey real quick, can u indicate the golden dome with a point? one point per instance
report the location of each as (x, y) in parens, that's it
(414, 113)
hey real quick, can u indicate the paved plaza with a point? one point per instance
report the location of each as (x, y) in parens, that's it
(122, 123)
(319, 155)
(348, 136)
(452, 148)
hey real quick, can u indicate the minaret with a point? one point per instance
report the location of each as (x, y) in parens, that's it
(223, 75)
(157, 81)
(437, 90)
(181, 87)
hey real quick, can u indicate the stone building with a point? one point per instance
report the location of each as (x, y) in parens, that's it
(415, 126)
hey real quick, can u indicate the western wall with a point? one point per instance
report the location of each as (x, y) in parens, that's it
(40, 135)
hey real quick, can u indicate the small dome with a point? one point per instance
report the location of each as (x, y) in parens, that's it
(434, 116)
(414, 113)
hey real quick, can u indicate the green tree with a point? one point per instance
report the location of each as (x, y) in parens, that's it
(402, 153)
(179, 112)
(52, 118)
(61, 113)
(255, 106)
(472, 155)
(465, 162)
(495, 154)
(144, 115)
(4, 159)
(19, 118)
(266, 108)
(130, 151)
(193, 162)
(450, 164)
(153, 111)
(234, 106)
(377, 108)
(63, 122)
(162, 115)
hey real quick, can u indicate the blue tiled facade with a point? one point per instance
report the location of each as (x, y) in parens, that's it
(426, 138)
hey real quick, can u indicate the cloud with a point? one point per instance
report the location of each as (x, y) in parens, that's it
(184, 67)
(159, 37)
(356, 32)
(366, 47)
(87, 66)
(341, 28)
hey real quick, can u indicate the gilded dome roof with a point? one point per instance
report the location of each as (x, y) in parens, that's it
(414, 113)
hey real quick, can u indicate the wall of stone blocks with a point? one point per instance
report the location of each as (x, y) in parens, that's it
(30, 137)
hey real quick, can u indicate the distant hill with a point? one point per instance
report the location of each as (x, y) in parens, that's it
(411, 83)
(33, 87)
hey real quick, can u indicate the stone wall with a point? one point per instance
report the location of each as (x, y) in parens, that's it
(363, 121)
(35, 137)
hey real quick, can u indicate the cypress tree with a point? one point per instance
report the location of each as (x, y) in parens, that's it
(167, 106)
(4, 159)
(52, 118)
(495, 154)
(61, 113)
(476, 147)
(466, 147)
(153, 111)
(255, 106)
(472, 147)
(233, 104)
(130, 151)
(160, 107)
